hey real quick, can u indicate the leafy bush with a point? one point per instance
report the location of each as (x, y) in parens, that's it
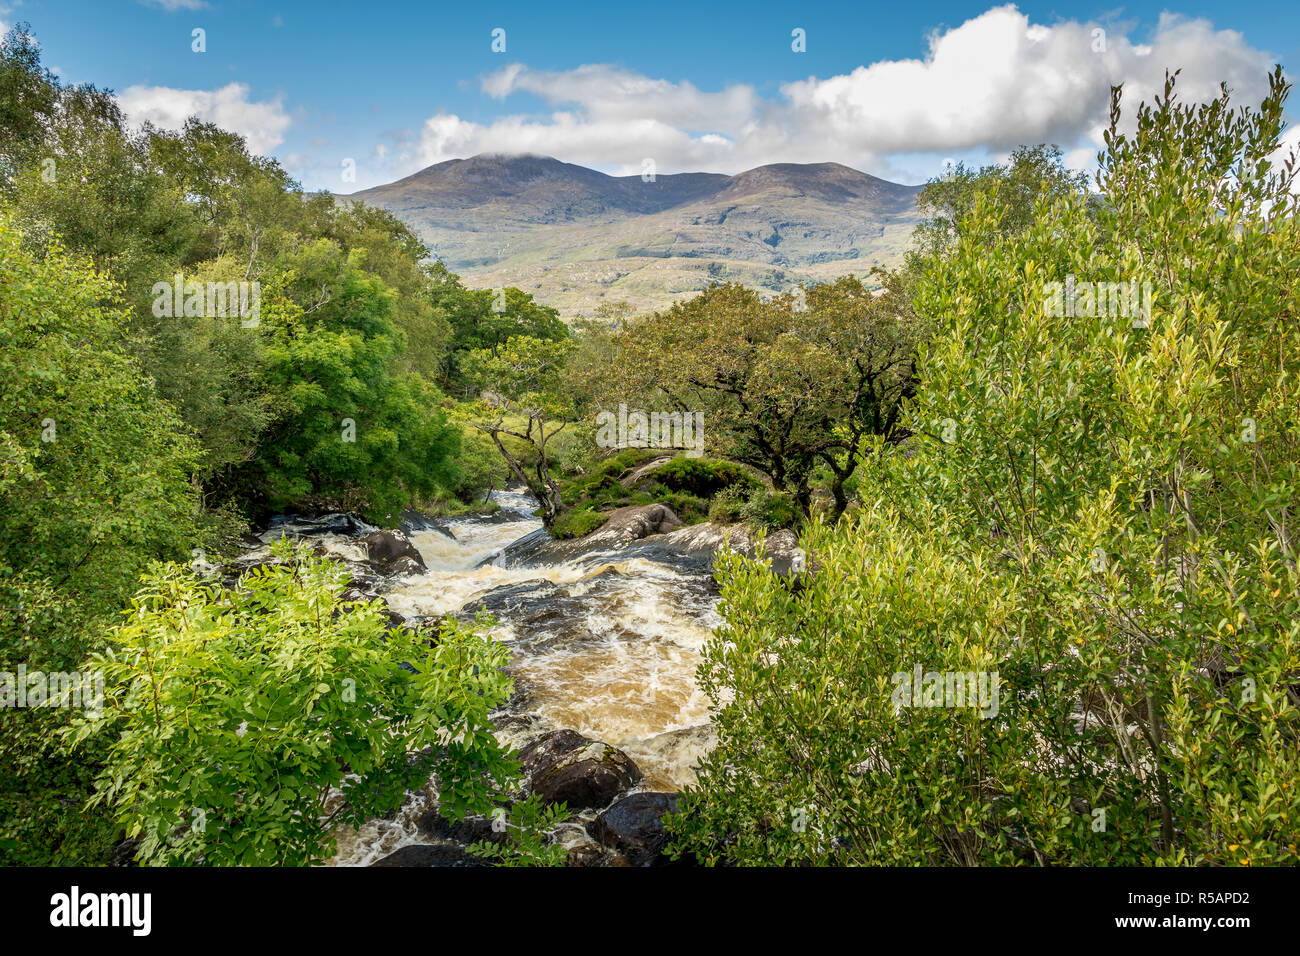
(248, 723)
(702, 477)
(728, 505)
(576, 522)
(686, 506)
(94, 483)
(1097, 513)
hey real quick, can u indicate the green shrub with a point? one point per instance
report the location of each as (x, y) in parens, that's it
(577, 522)
(1096, 513)
(702, 477)
(94, 484)
(247, 723)
(480, 467)
(686, 506)
(728, 505)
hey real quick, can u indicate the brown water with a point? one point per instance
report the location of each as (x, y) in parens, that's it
(606, 644)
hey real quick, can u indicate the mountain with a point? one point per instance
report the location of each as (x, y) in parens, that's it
(575, 237)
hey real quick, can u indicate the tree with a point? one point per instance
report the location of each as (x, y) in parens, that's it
(248, 723)
(785, 385)
(524, 397)
(485, 319)
(28, 98)
(347, 431)
(1031, 173)
(1094, 520)
(94, 483)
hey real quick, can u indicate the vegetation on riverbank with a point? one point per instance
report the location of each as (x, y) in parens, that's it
(1094, 510)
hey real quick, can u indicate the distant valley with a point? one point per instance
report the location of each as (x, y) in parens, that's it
(577, 238)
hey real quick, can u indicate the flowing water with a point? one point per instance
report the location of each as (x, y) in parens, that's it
(606, 643)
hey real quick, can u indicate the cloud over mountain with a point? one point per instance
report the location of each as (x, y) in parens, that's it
(992, 82)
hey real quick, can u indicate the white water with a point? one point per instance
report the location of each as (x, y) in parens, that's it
(604, 644)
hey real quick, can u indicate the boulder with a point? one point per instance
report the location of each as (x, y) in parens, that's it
(634, 826)
(565, 767)
(468, 830)
(413, 521)
(782, 552)
(302, 526)
(585, 854)
(635, 522)
(431, 854)
(391, 552)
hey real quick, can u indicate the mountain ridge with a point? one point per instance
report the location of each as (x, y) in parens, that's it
(576, 237)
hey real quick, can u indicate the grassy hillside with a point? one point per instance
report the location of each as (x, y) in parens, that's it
(576, 238)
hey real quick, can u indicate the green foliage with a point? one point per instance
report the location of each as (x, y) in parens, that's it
(524, 398)
(27, 100)
(1031, 174)
(94, 483)
(528, 825)
(785, 386)
(348, 430)
(1096, 508)
(702, 477)
(484, 320)
(212, 694)
(575, 522)
(755, 505)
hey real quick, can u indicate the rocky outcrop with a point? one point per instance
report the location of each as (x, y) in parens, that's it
(431, 854)
(644, 471)
(635, 522)
(563, 766)
(623, 527)
(634, 826)
(391, 552)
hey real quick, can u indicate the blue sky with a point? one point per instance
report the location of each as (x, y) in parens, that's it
(894, 89)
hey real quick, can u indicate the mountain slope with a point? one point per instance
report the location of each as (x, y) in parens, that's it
(576, 237)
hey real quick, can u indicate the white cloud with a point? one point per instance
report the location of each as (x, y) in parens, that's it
(991, 83)
(1288, 149)
(263, 124)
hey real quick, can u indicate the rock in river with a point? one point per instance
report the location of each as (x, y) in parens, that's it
(564, 766)
(391, 552)
(431, 854)
(634, 826)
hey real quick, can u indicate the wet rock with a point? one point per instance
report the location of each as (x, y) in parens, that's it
(585, 854)
(468, 830)
(391, 552)
(536, 548)
(340, 523)
(510, 598)
(565, 767)
(623, 527)
(431, 854)
(413, 521)
(634, 826)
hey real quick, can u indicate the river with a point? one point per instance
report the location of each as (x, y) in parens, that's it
(605, 643)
